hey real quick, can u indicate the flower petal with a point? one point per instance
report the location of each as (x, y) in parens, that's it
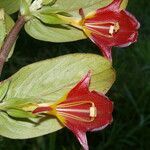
(133, 20)
(81, 110)
(81, 136)
(98, 40)
(82, 88)
(124, 36)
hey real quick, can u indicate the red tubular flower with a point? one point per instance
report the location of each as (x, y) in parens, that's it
(111, 26)
(81, 110)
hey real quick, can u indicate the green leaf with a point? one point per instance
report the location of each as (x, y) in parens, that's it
(8, 22)
(49, 19)
(60, 33)
(29, 1)
(70, 7)
(73, 6)
(2, 27)
(24, 8)
(3, 89)
(10, 6)
(20, 113)
(49, 2)
(48, 81)
(53, 33)
(19, 103)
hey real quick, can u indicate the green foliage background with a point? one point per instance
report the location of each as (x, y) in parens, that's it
(130, 93)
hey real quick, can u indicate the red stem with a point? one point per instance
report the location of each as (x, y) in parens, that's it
(10, 40)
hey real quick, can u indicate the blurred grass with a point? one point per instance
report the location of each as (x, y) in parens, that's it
(130, 93)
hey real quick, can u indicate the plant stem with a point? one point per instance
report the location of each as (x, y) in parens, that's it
(10, 40)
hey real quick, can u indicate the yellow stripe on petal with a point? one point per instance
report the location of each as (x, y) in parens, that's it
(61, 118)
(54, 111)
(90, 15)
(87, 31)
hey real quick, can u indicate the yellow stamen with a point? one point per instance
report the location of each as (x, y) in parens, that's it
(117, 27)
(73, 110)
(71, 104)
(113, 28)
(93, 111)
(67, 115)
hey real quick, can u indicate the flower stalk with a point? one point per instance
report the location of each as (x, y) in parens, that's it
(10, 40)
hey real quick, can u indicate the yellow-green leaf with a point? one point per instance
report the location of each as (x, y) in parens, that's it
(3, 89)
(20, 113)
(48, 81)
(10, 6)
(55, 33)
(61, 33)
